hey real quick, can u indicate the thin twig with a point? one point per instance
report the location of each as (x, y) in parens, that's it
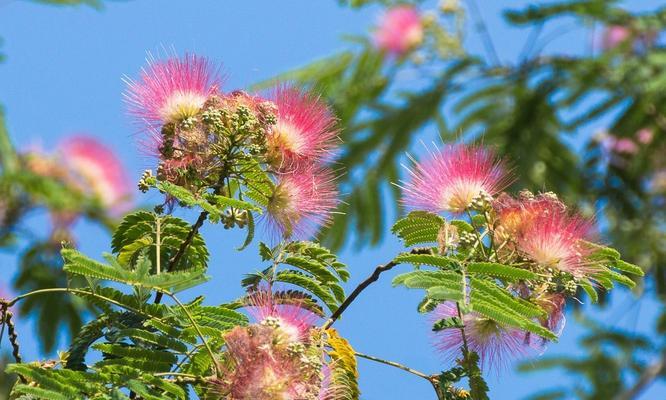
(198, 329)
(394, 364)
(647, 377)
(363, 285)
(482, 29)
(183, 248)
(82, 292)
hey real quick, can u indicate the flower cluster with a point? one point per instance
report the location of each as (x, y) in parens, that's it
(204, 137)
(280, 356)
(535, 232)
(399, 31)
(87, 167)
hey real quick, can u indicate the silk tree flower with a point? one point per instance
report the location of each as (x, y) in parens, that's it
(305, 130)
(452, 177)
(645, 136)
(553, 304)
(554, 239)
(292, 319)
(513, 215)
(96, 171)
(625, 146)
(495, 343)
(171, 90)
(261, 367)
(399, 31)
(614, 36)
(302, 202)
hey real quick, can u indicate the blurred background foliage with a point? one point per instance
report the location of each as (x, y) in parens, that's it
(539, 109)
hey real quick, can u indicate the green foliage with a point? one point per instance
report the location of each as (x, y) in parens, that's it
(418, 227)
(497, 270)
(80, 265)
(623, 354)
(214, 205)
(137, 234)
(478, 386)
(41, 268)
(447, 323)
(308, 266)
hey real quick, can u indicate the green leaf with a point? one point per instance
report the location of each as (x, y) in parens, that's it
(427, 259)
(418, 227)
(309, 284)
(504, 316)
(78, 264)
(496, 270)
(589, 289)
(628, 268)
(138, 233)
(447, 323)
(501, 297)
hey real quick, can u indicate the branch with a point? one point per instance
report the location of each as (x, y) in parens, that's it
(394, 364)
(199, 333)
(363, 285)
(647, 377)
(84, 293)
(433, 379)
(482, 29)
(183, 248)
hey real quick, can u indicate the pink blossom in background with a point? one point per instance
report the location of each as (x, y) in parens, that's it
(645, 136)
(171, 90)
(614, 36)
(399, 30)
(495, 343)
(96, 171)
(306, 129)
(451, 177)
(625, 146)
(302, 202)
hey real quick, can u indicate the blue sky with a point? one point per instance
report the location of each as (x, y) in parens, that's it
(63, 76)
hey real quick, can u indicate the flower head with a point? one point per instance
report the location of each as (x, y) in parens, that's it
(452, 177)
(516, 214)
(263, 368)
(645, 136)
(305, 130)
(399, 30)
(554, 237)
(302, 202)
(286, 315)
(171, 90)
(95, 170)
(615, 35)
(493, 342)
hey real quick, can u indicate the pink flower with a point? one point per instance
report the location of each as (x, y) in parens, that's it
(645, 136)
(553, 304)
(302, 202)
(452, 177)
(171, 90)
(305, 130)
(95, 170)
(291, 319)
(399, 30)
(614, 36)
(625, 146)
(493, 342)
(264, 370)
(553, 238)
